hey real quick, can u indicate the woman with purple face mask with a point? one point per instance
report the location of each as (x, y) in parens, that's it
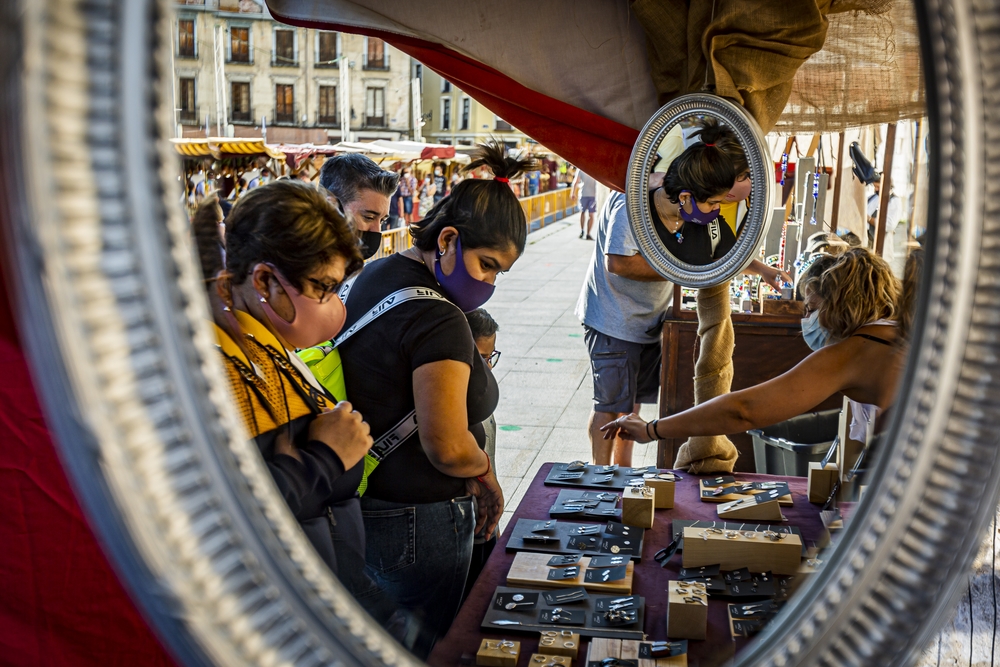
(436, 490)
(686, 207)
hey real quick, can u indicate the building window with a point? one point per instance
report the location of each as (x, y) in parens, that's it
(375, 107)
(445, 114)
(327, 49)
(328, 105)
(445, 85)
(375, 56)
(239, 45)
(185, 38)
(502, 125)
(239, 97)
(466, 109)
(284, 103)
(284, 48)
(186, 101)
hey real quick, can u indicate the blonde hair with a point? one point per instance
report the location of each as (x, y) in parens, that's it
(856, 290)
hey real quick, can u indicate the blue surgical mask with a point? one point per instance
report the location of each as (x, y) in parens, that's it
(696, 215)
(813, 333)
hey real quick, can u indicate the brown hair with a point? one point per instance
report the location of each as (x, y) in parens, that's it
(856, 290)
(292, 226)
(485, 212)
(207, 236)
(912, 274)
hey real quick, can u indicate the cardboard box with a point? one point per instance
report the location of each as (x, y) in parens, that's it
(687, 610)
(559, 642)
(637, 506)
(732, 550)
(498, 653)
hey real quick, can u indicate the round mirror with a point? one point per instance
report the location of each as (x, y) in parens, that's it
(111, 310)
(699, 190)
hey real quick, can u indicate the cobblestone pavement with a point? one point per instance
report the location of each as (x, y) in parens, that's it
(544, 371)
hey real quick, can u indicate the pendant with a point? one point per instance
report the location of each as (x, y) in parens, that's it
(680, 237)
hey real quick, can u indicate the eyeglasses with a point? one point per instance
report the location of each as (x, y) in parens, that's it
(492, 359)
(326, 290)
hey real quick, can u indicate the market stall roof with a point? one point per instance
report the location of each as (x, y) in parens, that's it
(224, 147)
(402, 151)
(579, 80)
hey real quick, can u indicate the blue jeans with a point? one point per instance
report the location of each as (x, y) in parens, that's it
(419, 555)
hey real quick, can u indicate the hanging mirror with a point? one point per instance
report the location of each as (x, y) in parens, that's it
(699, 190)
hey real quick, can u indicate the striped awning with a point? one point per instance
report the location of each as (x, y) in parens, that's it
(223, 147)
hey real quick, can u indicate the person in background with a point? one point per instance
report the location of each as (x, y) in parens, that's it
(456, 178)
(440, 184)
(852, 310)
(416, 372)
(584, 188)
(407, 189)
(362, 190)
(426, 193)
(484, 332)
(533, 182)
(893, 214)
(395, 211)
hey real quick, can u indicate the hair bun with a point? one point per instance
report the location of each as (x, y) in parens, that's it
(493, 154)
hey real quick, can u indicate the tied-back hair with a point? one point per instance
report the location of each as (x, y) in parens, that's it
(292, 226)
(912, 274)
(725, 140)
(856, 290)
(207, 236)
(344, 175)
(485, 212)
(705, 169)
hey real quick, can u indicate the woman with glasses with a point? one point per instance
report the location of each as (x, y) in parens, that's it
(287, 250)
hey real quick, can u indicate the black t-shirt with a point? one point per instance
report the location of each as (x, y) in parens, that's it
(696, 248)
(439, 183)
(379, 361)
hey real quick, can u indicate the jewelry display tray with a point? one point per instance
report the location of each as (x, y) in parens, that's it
(619, 478)
(678, 526)
(563, 532)
(529, 619)
(592, 514)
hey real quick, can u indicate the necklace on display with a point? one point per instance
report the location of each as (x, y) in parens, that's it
(676, 232)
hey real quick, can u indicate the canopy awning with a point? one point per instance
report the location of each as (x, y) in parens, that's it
(224, 147)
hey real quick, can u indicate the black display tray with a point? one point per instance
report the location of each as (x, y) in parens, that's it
(563, 532)
(598, 513)
(619, 477)
(530, 623)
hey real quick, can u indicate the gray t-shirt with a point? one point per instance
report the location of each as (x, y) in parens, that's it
(588, 183)
(625, 309)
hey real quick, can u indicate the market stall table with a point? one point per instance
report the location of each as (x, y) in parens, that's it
(460, 644)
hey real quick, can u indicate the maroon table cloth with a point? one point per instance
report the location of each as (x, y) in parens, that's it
(459, 646)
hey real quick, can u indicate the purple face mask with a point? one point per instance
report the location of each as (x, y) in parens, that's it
(696, 215)
(464, 291)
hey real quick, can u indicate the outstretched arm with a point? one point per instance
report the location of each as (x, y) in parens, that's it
(813, 380)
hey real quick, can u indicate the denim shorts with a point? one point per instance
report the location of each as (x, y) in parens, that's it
(588, 204)
(407, 205)
(625, 373)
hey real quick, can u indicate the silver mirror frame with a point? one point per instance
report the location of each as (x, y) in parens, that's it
(643, 158)
(112, 315)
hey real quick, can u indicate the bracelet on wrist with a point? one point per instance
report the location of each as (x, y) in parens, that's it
(656, 436)
(647, 430)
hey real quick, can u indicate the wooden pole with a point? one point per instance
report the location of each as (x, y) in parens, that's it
(837, 182)
(918, 152)
(885, 190)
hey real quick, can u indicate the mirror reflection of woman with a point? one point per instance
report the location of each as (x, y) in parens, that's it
(287, 249)
(853, 306)
(421, 502)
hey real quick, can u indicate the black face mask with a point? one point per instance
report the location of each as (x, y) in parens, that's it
(372, 242)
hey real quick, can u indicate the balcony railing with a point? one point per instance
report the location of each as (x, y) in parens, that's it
(328, 121)
(285, 118)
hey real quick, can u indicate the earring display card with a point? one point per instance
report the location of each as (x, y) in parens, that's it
(761, 507)
(698, 572)
(593, 505)
(577, 617)
(654, 650)
(780, 553)
(748, 619)
(715, 493)
(605, 575)
(515, 601)
(561, 561)
(600, 477)
(678, 526)
(565, 597)
(532, 570)
(612, 539)
(608, 561)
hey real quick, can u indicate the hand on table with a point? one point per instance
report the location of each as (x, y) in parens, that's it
(629, 427)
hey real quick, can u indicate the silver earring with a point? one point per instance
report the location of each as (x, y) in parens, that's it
(262, 299)
(227, 309)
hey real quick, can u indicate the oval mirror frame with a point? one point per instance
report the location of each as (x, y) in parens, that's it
(643, 158)
(110, 304)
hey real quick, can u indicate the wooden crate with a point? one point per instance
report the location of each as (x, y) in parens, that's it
(758, 553)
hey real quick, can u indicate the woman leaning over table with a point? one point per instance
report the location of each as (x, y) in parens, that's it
(421, 503)
(852, 310)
